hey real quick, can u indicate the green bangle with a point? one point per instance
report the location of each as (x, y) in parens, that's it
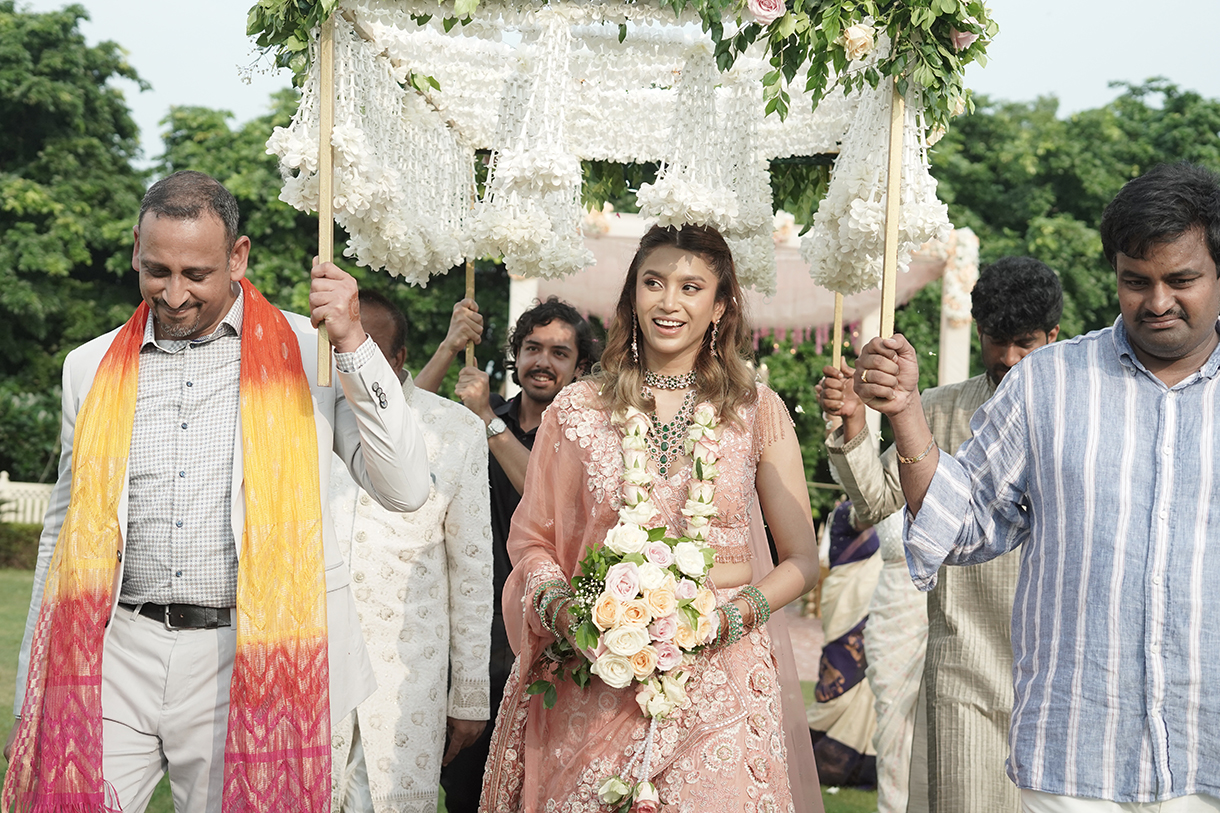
(758, 603)
(542, 590)
(733, 629)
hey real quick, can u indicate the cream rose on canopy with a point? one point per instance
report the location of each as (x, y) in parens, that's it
(857, 40)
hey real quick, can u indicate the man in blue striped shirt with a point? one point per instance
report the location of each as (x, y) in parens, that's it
(1096, 457)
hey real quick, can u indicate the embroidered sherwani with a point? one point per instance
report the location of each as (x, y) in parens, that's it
(422, 584)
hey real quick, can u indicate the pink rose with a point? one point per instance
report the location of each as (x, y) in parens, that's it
(663, 629)
(687, 590)
(645, 806)
(623, 581)
(766, 12)
(963, 39)
(668, 655)
(659, 554)
(633, 494)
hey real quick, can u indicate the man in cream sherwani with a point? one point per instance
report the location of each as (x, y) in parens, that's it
(422, 583)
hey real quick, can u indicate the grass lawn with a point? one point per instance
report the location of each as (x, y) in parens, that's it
(15, 602)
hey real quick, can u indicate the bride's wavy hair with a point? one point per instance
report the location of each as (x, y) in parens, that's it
(723, 378)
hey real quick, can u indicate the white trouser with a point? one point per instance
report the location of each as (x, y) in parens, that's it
(1033, 801)
(165, 706)
(354, 793)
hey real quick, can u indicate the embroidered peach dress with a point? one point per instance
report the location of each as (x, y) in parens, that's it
(726, 750)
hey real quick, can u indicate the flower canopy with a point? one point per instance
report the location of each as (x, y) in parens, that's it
(422, 85)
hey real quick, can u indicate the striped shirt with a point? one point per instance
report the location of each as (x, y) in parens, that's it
(1104, 477)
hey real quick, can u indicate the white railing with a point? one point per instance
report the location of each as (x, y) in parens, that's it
(23, 502)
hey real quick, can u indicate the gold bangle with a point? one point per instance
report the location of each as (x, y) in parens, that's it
(918, 457)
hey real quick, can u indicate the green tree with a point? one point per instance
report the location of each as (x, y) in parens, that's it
(1031, 183)
(68, 196)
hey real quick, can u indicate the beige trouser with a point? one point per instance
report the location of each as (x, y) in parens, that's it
(165, 706)
(1033, 801)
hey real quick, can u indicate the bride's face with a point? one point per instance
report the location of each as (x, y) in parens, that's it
(675, 302)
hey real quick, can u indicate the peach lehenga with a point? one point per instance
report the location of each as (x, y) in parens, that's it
(727, 749)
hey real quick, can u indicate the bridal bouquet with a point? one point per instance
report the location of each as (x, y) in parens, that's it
(641, 606)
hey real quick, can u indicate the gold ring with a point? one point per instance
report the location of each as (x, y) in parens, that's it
(864, 377)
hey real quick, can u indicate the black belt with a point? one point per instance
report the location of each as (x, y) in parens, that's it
(184, 616)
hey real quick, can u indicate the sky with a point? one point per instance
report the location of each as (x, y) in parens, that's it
(193, 52)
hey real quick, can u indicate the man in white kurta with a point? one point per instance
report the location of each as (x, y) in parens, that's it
(422, 584)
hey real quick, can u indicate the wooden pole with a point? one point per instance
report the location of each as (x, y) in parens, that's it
(889, 268)
(836, 352)
(326, 191)
(470, 295)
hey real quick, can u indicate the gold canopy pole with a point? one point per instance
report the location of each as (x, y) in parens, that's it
(889, 267)
(470, 295)
(326, 193)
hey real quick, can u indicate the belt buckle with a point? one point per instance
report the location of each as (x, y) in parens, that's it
(168, 624)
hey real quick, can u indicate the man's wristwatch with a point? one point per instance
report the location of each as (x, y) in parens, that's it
(495, 427)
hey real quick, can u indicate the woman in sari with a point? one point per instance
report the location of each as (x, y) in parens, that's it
(676, 344)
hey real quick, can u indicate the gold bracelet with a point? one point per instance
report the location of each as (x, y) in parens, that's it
(918, 457)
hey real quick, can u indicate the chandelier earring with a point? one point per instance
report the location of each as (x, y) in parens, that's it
(715, 333)
(635, 349)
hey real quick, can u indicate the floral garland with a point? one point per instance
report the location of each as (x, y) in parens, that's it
(641, 607)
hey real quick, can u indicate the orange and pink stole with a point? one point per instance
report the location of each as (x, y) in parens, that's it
(277, 750)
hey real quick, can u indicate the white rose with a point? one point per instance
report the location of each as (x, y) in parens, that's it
(633, 494)
(674, 688)
(659, 706)
(625, 641)
(689, 558)
(635, 459)
(637, 423)
(637, 514)
(626, 539)
(699, 509)
(702, 491)
(705, 414)
(651, 576)
(613, 791)
(634, 443)
(857, 41)
(637, 477)
(614, 670)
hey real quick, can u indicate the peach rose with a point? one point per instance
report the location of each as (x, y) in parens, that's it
(708, 627)
(661, 602)
(644, 662)
(685, 636)
(607, 611)
(705, 602)
(635, 613)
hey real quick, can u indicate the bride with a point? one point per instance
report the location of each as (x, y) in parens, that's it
(676, 343)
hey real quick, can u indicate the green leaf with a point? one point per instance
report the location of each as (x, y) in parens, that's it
(637, 558)
(622, 31)
(538, 687)
(656, 534)
(448, 23)
(550, 696)
(464, 8)
(784, 27)
(586, 635)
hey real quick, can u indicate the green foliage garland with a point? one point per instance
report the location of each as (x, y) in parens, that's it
(933, 41)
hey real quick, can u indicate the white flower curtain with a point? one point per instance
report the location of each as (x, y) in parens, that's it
(547, 86)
